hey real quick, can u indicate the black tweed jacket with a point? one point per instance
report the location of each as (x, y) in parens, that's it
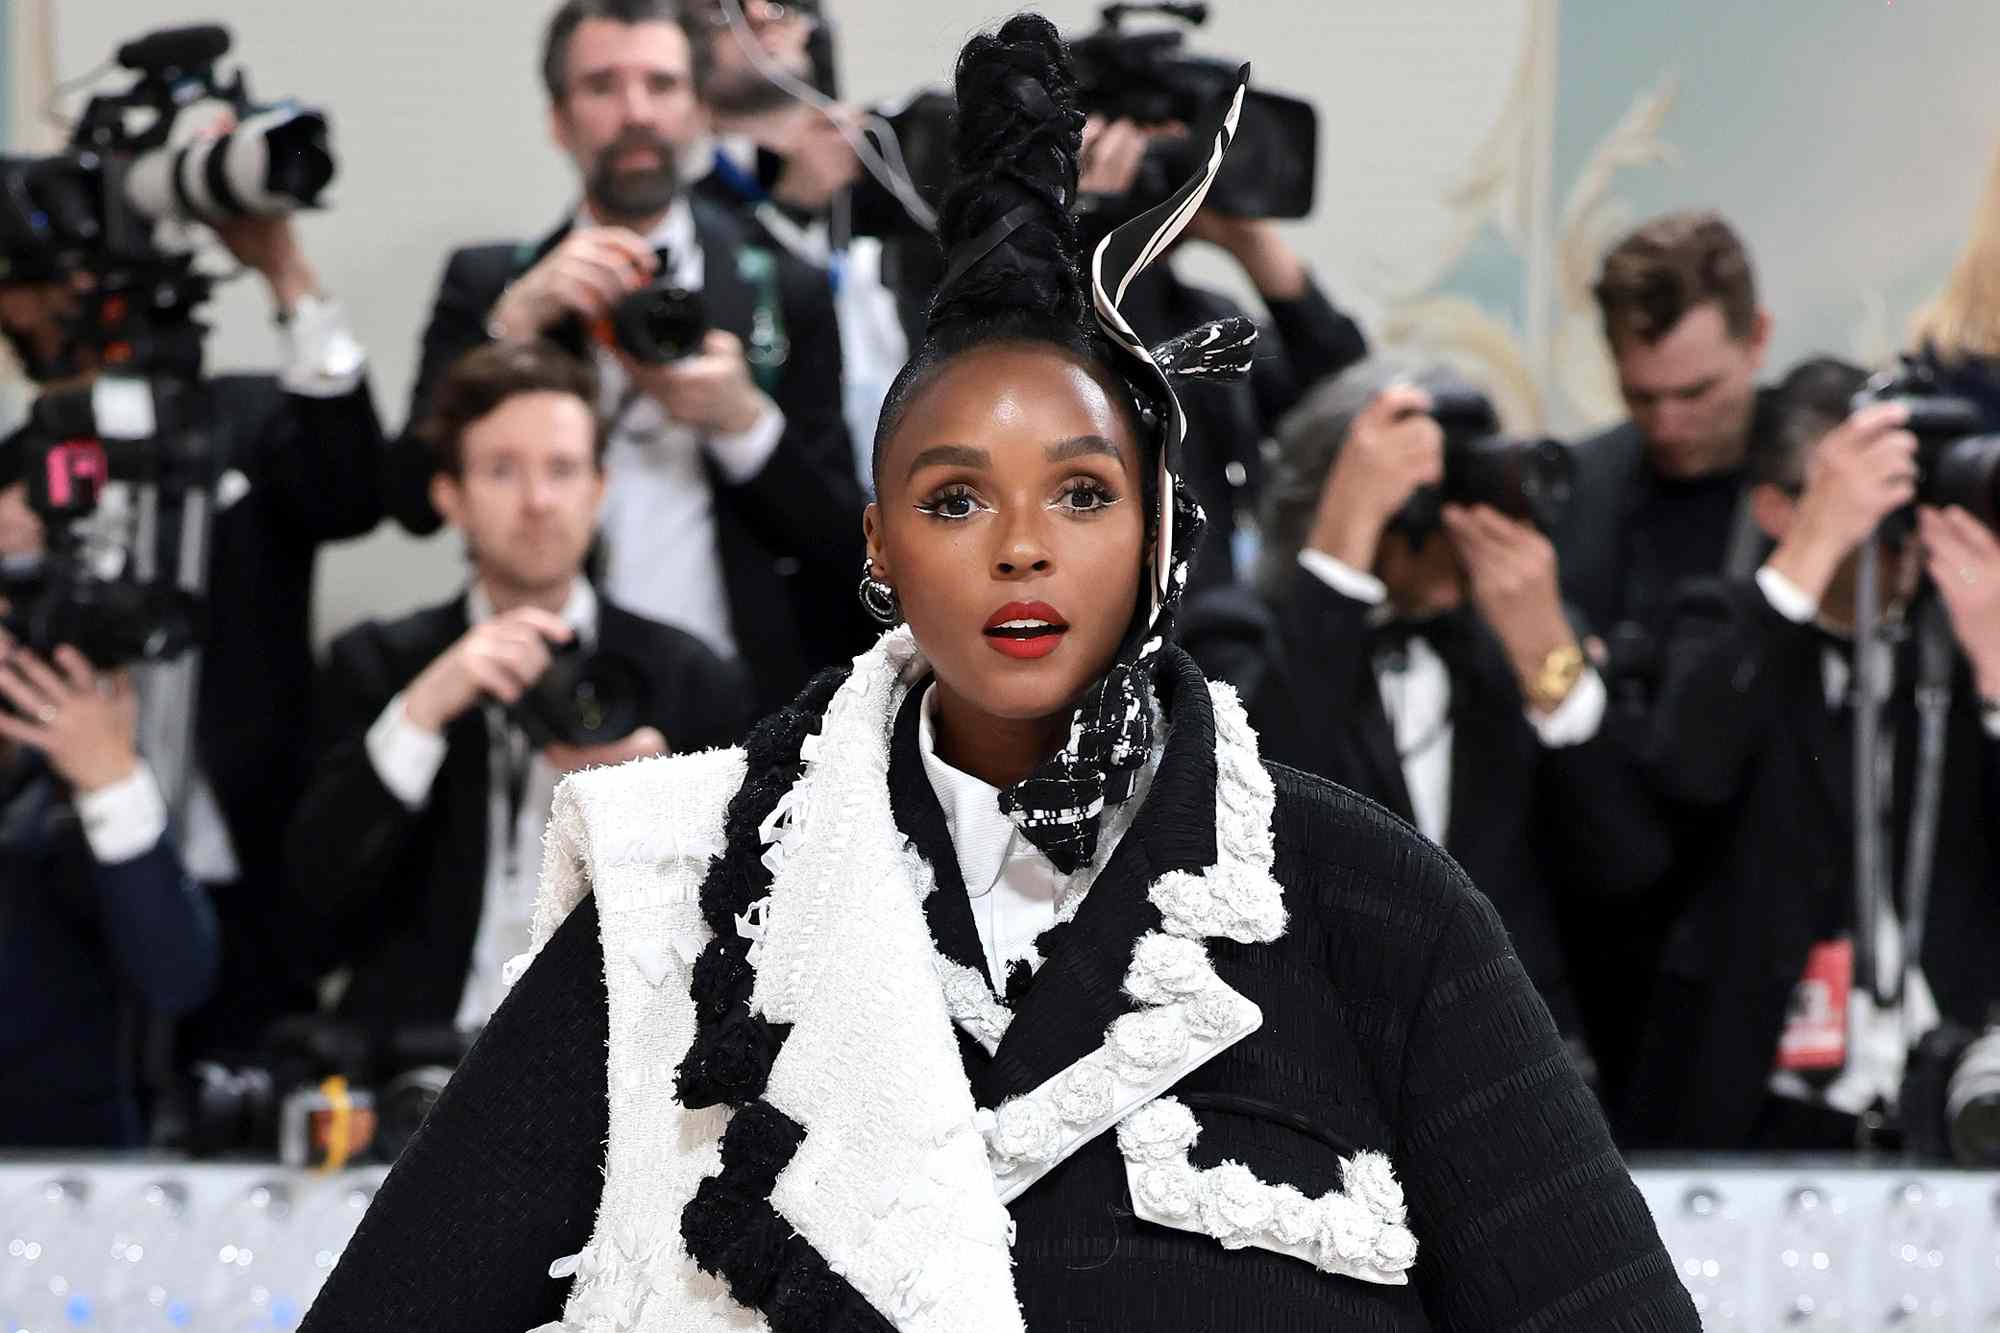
(1396, 1017)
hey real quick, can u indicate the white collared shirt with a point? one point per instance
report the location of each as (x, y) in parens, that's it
(407, 759)
(1417, 699)
(658, 522)
(1878, 1039)
(1016, 891)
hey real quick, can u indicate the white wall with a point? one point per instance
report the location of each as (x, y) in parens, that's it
(1472, 153)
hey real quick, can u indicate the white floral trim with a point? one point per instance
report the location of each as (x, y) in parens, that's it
(617, 1274)
(1188, 1015)
(1360, 1230)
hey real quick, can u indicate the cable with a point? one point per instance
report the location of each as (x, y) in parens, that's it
(874, 142)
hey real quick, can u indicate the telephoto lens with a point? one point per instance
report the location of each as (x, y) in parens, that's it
(276, 161)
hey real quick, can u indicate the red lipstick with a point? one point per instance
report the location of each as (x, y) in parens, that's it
(1026, 629)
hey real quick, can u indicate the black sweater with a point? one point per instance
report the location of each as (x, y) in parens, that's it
(1395, 1016)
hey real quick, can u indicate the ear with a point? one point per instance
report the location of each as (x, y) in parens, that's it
(1773, 510)
(1759, 341)
(871, 532)
(447, 499)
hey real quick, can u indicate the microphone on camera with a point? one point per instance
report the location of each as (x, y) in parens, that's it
(194, 47)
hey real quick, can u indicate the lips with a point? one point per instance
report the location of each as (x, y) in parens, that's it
(1026, 629)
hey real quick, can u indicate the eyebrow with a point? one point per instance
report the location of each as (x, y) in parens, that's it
(959, 455)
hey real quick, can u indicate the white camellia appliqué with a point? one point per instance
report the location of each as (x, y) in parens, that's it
(1083, 1094)
(1159, 1131)
(1368, 1177)
(1026, 1131)
(1235, 1205)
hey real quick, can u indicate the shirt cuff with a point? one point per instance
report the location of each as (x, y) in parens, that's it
(323, 359)
(404, 755)
(1343, 578)
(1785, 597)
(1576, 719)
(743, 455)
(125, 820)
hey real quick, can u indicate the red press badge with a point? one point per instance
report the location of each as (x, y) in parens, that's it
(1815, 1034)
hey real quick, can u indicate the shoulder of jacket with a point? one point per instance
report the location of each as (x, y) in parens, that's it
(668, 807)
(1354, 848)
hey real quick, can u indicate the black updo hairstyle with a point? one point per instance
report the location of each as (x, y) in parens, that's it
(1019, 137)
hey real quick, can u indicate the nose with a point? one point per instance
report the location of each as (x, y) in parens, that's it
(638, 103)
(1022, 550)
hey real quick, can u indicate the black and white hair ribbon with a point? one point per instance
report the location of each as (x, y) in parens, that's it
(1118, 259)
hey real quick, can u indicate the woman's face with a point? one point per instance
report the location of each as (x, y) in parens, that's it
(1010, 521)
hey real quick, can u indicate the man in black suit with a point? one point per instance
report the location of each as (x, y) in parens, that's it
(416, 851)
(1767, 1030)
(1658, 498)
(734, 512)
(299, 465)
(1435, 672)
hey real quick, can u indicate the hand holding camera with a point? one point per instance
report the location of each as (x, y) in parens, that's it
(501, 660)
(1394, 448)
(586, 275)
(710, 390)
(1862, 472)
(83, 721)
(1963, 559)
(270, 246)
(1511, 570)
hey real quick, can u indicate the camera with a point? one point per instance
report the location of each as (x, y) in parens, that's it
(1958, 454)
(1526, 479)
(661, 322)
(1951, 1096)
(1148, 77)
(121, 471)
(583, 699)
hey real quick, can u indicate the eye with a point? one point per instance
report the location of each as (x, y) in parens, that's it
(1086, 495)
(952, 503)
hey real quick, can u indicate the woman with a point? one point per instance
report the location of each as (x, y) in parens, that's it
(998, 984)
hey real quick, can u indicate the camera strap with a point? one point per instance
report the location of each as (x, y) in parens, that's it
(767, 348)
(512, 759)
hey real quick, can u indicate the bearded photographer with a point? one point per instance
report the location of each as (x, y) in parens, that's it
(1777, 1023)
(223, 727)
(1432, 669)
(732, 500)
(100, 928)
(415, 853)
(1304, 341)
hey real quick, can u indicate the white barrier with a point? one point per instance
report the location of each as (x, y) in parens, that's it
(165, 1246)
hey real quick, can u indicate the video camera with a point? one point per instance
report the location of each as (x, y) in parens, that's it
(121, 470)
(1526, 479)
(1151, 78)
(1958, 452)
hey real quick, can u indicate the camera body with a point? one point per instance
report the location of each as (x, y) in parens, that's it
(1950, 1104)
(121, 470)
(1525, 479)
(1958, 449)
(661, 322)
(585, 698)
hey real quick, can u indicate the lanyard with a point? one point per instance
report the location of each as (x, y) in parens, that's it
(512, 759)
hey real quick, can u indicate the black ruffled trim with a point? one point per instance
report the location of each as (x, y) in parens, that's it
(730, 1227)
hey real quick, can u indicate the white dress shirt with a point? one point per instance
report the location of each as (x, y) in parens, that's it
(1878, 1039)
(1016, 891)
(1417, 698)
(407, 759)
(659, 510)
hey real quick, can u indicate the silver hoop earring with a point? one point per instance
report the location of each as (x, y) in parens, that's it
(878, 599)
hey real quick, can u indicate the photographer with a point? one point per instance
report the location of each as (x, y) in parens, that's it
(298, 456)
(99, 925)
(415, 853)
(733, 503)
(1769, 1030)
(1304, 341)
(1659, 498)
(1432, 670)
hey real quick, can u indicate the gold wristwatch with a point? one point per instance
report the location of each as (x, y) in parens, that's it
(1556, 677)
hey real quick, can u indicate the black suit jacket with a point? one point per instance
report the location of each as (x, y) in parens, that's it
(396, 894)
(1745, 738)
(1539, 830)
(314, 466)
(789, 538)
(1303, 342)
(1394, 1016)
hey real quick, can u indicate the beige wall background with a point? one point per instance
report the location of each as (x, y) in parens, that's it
(1474, 155)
